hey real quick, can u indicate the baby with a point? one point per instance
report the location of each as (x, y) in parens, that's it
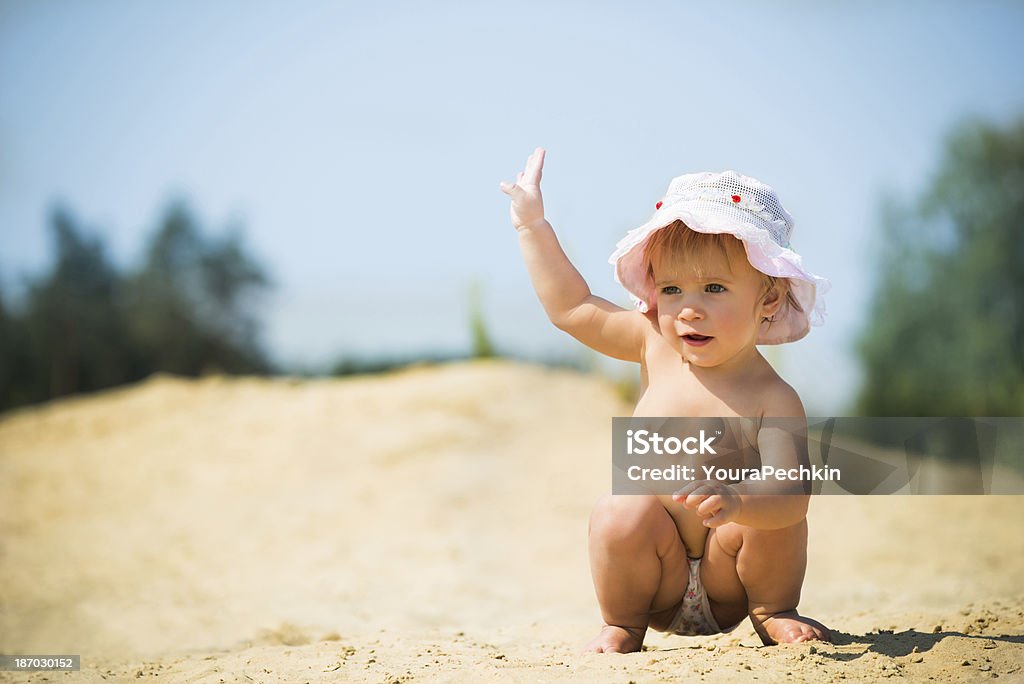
(712, 276)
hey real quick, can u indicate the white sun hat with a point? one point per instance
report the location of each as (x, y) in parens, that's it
(729, 202)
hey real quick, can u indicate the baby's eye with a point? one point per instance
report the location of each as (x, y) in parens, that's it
(714, 288)
(670, 290)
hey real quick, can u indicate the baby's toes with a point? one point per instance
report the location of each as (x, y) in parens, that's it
(815, 631)
(614, 639)
(800, 633)
(793, 628)
(791, 632)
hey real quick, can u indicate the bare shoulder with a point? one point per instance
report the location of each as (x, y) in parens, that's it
(783, 443)
(648, 322)
(779, 399)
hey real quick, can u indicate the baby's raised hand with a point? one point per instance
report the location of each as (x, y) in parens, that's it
(527, 203)
(715, 502)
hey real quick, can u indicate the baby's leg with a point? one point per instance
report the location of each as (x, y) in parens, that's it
(768, 566)
(638, 562)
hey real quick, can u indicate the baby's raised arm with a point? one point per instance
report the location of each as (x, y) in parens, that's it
(563, 292)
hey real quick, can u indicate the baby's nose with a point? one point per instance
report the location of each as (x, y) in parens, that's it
(690, 312)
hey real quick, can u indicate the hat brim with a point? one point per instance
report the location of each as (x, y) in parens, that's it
(763, 253)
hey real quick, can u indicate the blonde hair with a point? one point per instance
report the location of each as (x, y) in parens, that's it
(679, 239)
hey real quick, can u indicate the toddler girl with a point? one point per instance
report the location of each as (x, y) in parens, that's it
(713, 276)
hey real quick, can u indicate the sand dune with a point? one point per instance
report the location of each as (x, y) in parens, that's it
(427, 525)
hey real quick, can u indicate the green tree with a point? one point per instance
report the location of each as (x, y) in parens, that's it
(192, 303)
(76, 339)
(15, 358)
(83, 325)
(945, 332)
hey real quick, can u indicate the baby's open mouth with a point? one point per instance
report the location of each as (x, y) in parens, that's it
(695, 339)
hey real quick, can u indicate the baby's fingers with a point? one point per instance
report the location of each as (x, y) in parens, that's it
(530, 176)
(717, 520)
(511, 189)
(534, 167)
(693, 493)
(695, 499)
(681, 494)
(709, 506)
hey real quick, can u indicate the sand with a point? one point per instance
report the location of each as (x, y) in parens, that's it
(428, 525)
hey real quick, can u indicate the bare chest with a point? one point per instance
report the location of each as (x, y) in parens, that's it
(672, 388)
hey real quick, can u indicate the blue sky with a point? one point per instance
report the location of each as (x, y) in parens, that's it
(361, 144)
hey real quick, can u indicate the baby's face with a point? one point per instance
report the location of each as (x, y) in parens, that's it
(711, 312)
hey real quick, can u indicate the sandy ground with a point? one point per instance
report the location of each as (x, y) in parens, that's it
(428, 526)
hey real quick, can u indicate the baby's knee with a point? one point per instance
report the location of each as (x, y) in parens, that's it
(733, 536)
(626, 519)
(790, 541)
(787, 536)
(729, 537)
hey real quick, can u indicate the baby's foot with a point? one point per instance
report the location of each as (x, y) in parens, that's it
(615, 639)
(788, 627)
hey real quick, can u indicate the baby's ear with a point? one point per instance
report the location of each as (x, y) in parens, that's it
(773, 299)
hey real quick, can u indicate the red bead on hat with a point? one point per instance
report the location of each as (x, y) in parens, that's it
(736, 198)
(657, 206)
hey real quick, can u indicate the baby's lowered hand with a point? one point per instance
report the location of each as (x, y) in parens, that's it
(527, 203)
(715, 502)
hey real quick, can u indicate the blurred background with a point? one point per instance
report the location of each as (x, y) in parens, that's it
(312, 188)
